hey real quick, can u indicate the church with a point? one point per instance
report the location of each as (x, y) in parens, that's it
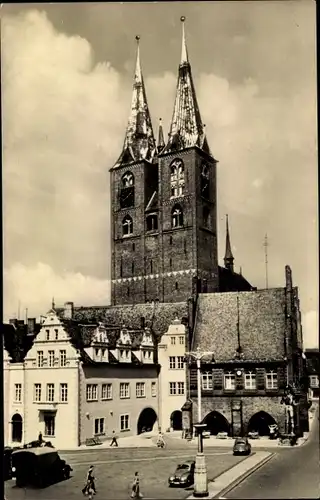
(164, 268)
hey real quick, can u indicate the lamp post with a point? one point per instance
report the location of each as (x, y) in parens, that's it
(200, 472)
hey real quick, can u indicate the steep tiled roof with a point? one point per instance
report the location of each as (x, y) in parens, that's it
(230, 281)
(256, 318)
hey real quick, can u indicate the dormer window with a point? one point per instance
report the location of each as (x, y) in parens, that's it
(97, 352)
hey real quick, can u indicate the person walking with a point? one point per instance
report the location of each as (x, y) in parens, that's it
(40, 438)
(135, 490)
(114, 439)
(89, 488)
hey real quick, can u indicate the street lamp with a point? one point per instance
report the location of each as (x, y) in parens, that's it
(200, 472)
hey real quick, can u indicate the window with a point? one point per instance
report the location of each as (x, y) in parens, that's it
(92, 392)
(17, 392)
(124, 422)
(170, 264)
(314, 381)
(172, 362)
(56, 334)
(170, 240)
(140, 390)
(181, 340)
(133, 247)
(177, 286)
(124, 390)
(250, 381)
(271, 380)
(177, 178)
(127, 190)
(207, 384)
(206, 217)
(98, 426)
(153, 389)
(132, 268)
(103, 351)
(125, 354)
(177, 217)
(185, 247)
(51, 358)
(49, 425)
(128, 291)
(180, 362)
(64, 393)
(97, 352)
(37, 392)
(50, 392)
(152, 222)
(40, 359)
(106, 391)
(63, 357)
(47, 334)
(151, 267)
(204, 182)
(121, 269)
(180, 387)
(127, 226)
(172, 388)
(173, 341)
(229, 381)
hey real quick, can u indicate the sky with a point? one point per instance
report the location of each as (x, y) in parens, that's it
(67, 74)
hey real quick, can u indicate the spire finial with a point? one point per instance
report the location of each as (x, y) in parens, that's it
(228, 258)
(138, 73)
(161, 142)
(184, 53)
(53, 305)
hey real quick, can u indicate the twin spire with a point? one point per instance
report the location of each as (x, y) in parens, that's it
(186, 130)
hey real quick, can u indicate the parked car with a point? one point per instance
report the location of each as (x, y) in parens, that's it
(241, 446)
(184, 474)
(39, 467)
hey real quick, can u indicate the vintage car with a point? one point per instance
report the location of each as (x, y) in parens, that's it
(38, 467)
(184, 474)
(241, 446)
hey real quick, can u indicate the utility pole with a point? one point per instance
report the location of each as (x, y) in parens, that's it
(266, 244)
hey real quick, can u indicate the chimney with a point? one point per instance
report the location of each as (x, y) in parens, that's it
(31, 325)
(68, 310)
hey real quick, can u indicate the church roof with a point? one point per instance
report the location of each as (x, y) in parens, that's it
(139, 143)
(229, 281)
(187, 129)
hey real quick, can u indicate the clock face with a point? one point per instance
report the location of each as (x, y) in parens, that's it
(239, 373)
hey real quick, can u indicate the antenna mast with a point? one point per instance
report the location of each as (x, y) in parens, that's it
(266, 244)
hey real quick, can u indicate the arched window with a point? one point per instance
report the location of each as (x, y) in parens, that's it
(177, 178)
(177, 216)
(127, 226)
(152, 222)
(204, 181)
(206, 217)
(127, 190)
(207, 383)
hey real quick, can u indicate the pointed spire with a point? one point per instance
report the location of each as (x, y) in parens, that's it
(184, 52)
(139, 143)
(161, 143)
(228, 258)
(53, 305)
(186, 128)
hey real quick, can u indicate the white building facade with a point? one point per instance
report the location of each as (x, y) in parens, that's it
(42, 393)
(173, 376)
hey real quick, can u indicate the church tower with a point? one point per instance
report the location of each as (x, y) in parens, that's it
(163, 198)
(187, 197)
(134, 179)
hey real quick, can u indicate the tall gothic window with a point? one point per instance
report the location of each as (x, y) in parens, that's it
(177, 178)
(152, 222)
(127, 226)
(127, 190)
(177, 216)
(204, 182)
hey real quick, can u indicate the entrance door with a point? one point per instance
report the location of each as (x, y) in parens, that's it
(16, 422)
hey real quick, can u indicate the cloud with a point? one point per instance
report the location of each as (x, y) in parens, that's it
(33, 287)
(64, 121)
(310, 329)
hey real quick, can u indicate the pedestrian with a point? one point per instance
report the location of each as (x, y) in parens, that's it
(89, 488)
(135, 490)
(40, 438)
(114, 439)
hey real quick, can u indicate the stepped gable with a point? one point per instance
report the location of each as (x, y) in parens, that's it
(255, 318)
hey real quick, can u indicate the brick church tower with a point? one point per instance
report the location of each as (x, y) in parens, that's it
(164, 211)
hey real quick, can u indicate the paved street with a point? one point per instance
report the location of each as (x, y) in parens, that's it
(290, 474)
(115, 468)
